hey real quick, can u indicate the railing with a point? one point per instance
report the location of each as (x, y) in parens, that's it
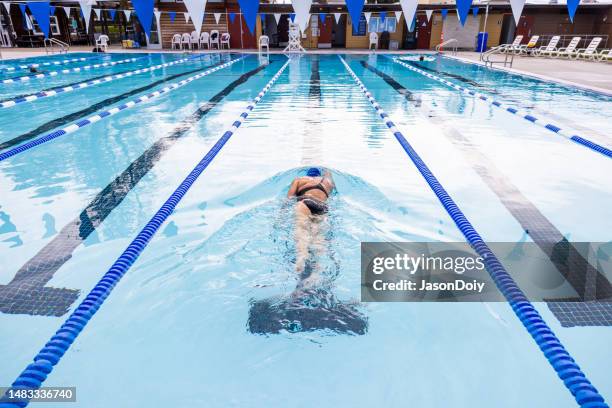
(565, 39)
(507, 61)
(447, 42)
(51, 43)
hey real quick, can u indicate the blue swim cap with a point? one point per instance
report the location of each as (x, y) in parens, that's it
(313, 172)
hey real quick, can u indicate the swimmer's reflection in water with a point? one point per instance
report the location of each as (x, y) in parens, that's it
(312, 305)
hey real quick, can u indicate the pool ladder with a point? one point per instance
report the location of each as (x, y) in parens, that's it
(507, 61)
(52, 43)
(450, 41)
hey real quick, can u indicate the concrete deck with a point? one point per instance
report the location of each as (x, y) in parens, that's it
(595, 76)
(584, 74)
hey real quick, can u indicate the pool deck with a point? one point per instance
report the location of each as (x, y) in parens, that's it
(596, 76)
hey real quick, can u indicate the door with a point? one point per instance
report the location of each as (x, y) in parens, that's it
(339, 31)
(525, 28)
(240, 36)
(325, 32)
(424, 31)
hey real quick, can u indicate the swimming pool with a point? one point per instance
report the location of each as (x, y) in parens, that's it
(174, 332)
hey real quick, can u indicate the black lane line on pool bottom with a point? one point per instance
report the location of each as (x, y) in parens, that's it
(315, 79)
(64, 120)
(394, 84)
(586, 280)
(26, 293)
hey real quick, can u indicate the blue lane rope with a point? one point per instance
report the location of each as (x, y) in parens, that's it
(73, 127)
(52, 92)
(68, 70)
(520, 113)
(37, 372)
(46, 64)
(564, 365)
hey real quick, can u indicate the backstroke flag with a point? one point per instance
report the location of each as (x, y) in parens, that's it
(337, 17)
(463, 9)
(112, 13)
(383, 16)
(572, 5)
(428, 13)
(355, 7)
(409, 8)
(67, 11)
(40, 11)
(217, 17)
(517, 9)
(144, 12)
(186, 15)
(277, 17)
(232, 17)
(127, 14)
(302, 12)
(249, 10)
(475, 11)
(195, 8)
(398, 14)
(86, 10)
(7, 6)
(368, 16)
(444, 13)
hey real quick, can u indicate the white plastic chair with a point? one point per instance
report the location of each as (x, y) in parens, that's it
(605, 55)
(373, 41)
(567, 51)
(527, 48)
(176, 41)
(225, 40)
(545, 50)
(264, 41)
(195, 42)
(102, 42)
(589, 52)
(509, 47)
(214, 38)
(186, 41)
(204, 40)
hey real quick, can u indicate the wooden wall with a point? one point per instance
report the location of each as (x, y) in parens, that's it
(362, 41)
(179, 26)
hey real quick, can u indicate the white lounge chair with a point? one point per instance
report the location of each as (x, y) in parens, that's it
(506, 47)
(528, 48)
(373, 41)
(102, 42)
(545, 50)
(264, 41)
(186, 41)
(567, 51)
(588, 53)
(214, 38)
(225, 40)
(605, 55)
(195, 41)
(204, 37)
(176, 41)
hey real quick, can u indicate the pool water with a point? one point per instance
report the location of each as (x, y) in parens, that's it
(174, 331)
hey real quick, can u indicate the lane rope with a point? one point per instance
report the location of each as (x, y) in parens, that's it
(73, 127)
(46, 64)
(37, 372)
(63, 89)
(564, 365)
(518, 112)
(67, 71)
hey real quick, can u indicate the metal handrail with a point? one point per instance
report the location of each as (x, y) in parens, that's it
(447, 42)
(508, 57)
(50, 44)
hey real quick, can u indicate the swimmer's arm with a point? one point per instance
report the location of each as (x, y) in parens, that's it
(293, 188)
(328, 176)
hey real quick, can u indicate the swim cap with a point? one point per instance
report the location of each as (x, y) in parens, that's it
(313, 172)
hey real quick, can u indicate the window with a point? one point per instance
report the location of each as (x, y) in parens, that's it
(378, 26)
(360, 29)
(53, 24)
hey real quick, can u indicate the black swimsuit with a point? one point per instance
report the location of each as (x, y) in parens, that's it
(315, 206)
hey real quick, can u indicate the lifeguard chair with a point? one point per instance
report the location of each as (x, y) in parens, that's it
(294, 44)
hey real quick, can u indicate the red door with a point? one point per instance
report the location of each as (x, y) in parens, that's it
(525, 28)
(423, 31)
(240, 38)
(325, 31)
